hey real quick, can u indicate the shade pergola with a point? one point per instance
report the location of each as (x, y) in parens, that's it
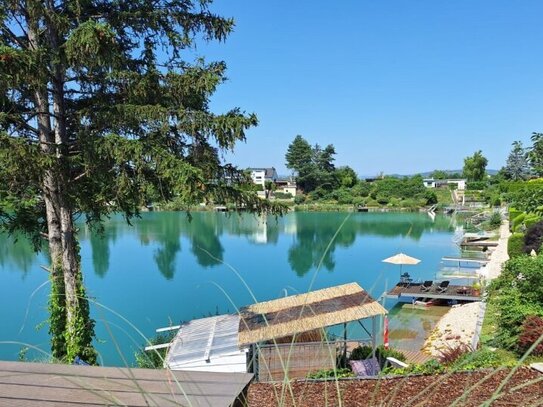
(295, 314)
(401, 259)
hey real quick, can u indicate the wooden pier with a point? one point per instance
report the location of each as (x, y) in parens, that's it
(42, 384)
(454, 292)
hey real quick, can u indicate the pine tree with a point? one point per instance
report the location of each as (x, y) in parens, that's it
(100, 114)
(517, 166)
(535, 154)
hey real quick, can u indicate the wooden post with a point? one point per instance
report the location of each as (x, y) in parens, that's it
(373, 335)
(344, 344)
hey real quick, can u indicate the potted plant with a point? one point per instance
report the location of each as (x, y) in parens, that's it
(476, 288)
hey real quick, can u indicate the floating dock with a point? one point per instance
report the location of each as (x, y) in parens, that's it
(453, 293)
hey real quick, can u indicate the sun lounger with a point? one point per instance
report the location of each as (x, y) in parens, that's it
(426, 285)
(443, 286)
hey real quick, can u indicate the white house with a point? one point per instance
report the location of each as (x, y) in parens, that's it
(261, 175)
(438, 183)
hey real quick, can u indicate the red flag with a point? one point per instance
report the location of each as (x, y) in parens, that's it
(385, 333)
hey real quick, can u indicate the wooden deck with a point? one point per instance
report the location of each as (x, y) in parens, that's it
(415, 358)
(414, 291)
(40, 384)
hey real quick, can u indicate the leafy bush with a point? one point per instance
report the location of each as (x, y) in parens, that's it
(154, 359)
(282, 195)
(430, 196)
(452, 353)
(299, 199)
(517, 293)
(476, 185)
(481, 359)
(331, 374)
(515, 245)
(495, 219)
(533, 238)
(430, 367)
(531, 331)
(365, 352)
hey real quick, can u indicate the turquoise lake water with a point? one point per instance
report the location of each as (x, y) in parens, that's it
(165, 269)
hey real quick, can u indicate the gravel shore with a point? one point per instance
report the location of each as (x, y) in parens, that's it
(459, 325)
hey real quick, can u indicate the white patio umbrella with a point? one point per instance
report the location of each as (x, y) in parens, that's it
(401, 259)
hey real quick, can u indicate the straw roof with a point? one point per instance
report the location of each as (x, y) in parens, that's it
(299, 313)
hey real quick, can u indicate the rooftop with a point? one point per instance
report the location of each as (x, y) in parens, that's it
(304, 312)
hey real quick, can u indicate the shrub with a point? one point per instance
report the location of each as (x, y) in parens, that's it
(452, 353)
(282, 195)
(531, 331)
(154, 359)
(515, 245)
(480, 359)
(331, 374)
(430, 367)
(533, 238)
(431, 197)
(299, 199)
(495, 219)
(476, 185)
(513, 213)
(382, 200)
(365, 352)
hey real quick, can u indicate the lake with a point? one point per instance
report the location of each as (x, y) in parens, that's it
(167, 268)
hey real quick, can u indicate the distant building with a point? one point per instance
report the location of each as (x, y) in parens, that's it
(441, 183)
(261, 175)
(286, 186)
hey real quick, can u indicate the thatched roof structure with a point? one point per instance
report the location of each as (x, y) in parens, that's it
(299, 313)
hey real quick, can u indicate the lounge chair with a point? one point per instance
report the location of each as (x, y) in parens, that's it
(426, 285)
(365, 368)
(442, 287)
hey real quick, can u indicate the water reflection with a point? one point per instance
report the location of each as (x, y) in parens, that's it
(311, 235)
(16, 253)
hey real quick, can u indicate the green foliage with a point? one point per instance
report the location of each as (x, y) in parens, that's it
(346, 177)
(535, 153)
(475, 167)
(439, 174)
(313, 165)
(482, 359)
(528, 198)
(476, 185)
(331, 374)
(431, 367)
(517, 166)
(154, 359)
(365, 352)
(282, 195)
(517, 293)
(515, 245)
(495, 220)
(299, 199)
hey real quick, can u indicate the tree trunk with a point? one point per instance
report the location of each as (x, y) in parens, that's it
(71, 328)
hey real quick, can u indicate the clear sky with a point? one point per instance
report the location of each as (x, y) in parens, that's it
(399, 86)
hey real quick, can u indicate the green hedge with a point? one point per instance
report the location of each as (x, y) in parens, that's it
(515, 245)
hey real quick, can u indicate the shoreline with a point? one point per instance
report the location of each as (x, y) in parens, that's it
(461, 326)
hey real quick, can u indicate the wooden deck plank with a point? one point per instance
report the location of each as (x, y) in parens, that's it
(414, 291)
(24, 384)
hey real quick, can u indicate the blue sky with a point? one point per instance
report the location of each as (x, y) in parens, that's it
(397, 86)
